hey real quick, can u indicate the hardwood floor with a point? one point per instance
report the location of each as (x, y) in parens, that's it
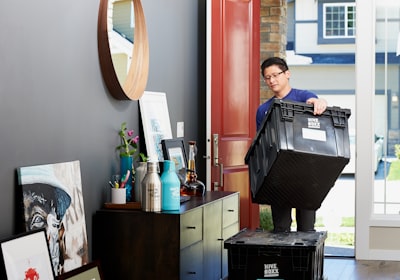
(351, 269)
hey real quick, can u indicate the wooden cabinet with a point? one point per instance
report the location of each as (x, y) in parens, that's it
(185, 244)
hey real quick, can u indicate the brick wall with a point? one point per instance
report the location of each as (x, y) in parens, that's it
(273, 29)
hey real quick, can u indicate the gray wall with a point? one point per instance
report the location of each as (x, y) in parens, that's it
(54, 106)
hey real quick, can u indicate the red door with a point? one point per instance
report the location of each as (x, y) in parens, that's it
(235, 48)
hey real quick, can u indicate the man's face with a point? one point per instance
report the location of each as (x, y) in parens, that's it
(276, 79)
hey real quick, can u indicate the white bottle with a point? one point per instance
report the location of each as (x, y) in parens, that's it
(151, 188)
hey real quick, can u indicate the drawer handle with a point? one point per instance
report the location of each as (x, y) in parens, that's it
(191, 272)
(231, 210)
(220, 239)
(191, 227)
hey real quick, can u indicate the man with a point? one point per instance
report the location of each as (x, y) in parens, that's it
(276, 75)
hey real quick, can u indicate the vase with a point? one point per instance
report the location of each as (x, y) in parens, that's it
(126, 163)
(140, 172)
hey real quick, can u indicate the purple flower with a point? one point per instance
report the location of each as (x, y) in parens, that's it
(129, 143)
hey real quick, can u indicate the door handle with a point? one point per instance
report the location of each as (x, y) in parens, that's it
(216, 153)
(217, 163)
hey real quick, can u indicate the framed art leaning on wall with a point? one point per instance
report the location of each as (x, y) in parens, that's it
(52, 198)
(27, 256)
(90, 271)
(174, 150)
(156, 122)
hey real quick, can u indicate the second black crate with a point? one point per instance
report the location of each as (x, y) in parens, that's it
(254, 255)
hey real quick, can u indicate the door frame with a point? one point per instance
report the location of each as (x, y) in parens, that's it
(208, 93)
(368, 245)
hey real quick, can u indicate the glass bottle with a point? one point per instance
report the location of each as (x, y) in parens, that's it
(170, 187)
(151, 189)
(192, 186)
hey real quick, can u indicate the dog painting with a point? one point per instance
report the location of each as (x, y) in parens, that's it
(52, 199)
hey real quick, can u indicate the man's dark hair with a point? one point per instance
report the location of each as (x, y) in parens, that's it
(280, 62)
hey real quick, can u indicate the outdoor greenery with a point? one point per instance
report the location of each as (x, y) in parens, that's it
(266, 219)
(345, 238)
(397, 150)
(347, 222)
(394, 171)
(342, 238)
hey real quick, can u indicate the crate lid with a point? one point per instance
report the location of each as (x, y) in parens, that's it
(261, 238)
(288, 111)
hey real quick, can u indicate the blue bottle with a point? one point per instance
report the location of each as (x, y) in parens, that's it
(170, 187)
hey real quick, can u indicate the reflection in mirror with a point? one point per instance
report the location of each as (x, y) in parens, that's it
(121, 28)
(123, 47)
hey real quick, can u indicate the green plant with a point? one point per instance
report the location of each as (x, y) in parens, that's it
(342, 238)
(129, 144)
(266, 219)
(394, 171)
(347, 222)
(397, 150)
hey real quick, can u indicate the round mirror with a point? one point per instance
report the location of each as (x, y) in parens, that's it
(123, 48)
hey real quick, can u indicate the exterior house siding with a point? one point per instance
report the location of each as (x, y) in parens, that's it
(332, 71)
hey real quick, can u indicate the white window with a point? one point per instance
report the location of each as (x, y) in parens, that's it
(386, 199)
(339, 20)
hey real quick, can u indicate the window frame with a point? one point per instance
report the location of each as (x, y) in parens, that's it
(322, 38)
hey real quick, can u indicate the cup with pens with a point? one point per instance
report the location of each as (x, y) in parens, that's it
(118, 192)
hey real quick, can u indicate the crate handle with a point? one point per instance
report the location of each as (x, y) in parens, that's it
(339, 118)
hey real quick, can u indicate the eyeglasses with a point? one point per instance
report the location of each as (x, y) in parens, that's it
(276, 75)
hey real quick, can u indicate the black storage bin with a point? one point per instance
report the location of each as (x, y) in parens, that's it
(254, 255)
(296, 156)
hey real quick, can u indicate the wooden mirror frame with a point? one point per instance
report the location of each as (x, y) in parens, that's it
(136, 79)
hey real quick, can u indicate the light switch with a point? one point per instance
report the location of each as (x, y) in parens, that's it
(180, 129)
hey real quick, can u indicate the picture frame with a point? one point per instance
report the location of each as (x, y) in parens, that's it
(51, 197)
(27, 255)
(90, 271)
(156, 122)
(174, 150)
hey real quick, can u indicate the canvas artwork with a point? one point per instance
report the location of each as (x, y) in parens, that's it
(52, 199)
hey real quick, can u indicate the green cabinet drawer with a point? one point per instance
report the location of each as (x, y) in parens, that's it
(230, 210)
(191, 227)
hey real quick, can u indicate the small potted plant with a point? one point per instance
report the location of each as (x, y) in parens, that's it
(129, 154)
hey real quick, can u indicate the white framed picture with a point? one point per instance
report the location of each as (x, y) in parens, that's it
(27, 256)
(156, 122)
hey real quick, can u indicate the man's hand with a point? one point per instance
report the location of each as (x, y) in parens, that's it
(319, 105)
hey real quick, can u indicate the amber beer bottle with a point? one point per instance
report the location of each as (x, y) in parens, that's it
(192, 186)
(191, 175)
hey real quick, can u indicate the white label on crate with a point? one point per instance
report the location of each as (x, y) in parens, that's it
(313, 123)
(271, 270)
(314, 134)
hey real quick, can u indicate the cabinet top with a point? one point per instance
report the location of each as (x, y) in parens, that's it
(197, 201)
(192, 203)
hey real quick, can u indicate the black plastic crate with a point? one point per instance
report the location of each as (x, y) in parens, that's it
(254, 255)
(296, 157)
